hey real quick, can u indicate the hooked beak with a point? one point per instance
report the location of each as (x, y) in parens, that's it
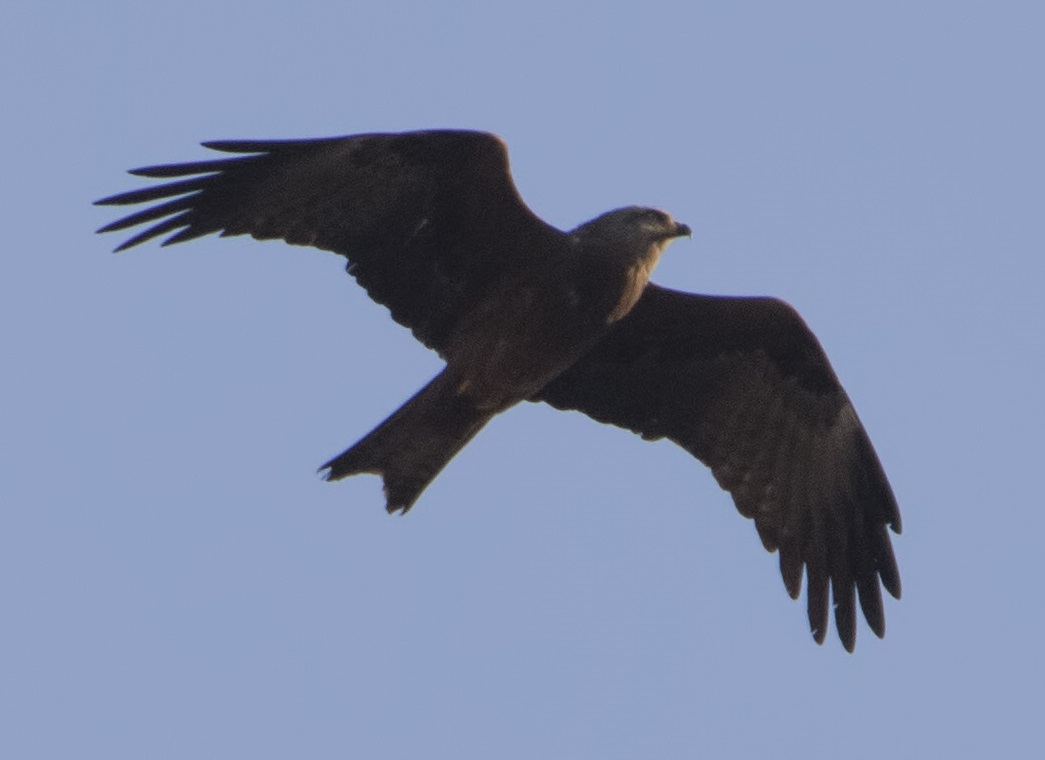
(682, 230)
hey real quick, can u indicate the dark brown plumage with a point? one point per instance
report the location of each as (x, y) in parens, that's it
(434, 229)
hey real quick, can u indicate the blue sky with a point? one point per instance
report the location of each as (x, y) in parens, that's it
(176, 581)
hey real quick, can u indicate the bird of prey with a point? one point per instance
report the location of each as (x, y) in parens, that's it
(434, 229)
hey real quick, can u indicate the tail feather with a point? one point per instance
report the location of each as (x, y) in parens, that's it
(414, 444)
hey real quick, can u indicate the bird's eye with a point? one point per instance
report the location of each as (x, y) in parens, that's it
(656, 218)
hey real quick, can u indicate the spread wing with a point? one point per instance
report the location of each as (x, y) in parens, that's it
(427, 220)
(743, 385)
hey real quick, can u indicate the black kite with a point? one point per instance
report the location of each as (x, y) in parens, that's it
(434, 228)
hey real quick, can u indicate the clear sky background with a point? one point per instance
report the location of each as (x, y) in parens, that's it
(177, 583)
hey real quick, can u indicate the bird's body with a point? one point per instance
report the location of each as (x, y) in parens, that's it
(521, 335)
(433, 228)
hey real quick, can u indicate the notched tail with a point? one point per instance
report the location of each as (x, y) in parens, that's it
(411, 447)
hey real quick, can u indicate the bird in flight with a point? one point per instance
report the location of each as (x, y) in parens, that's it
(434, 229)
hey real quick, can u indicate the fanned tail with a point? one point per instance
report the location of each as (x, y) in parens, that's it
(414, 444)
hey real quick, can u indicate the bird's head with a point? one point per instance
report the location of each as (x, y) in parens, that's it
(624, 246)
(633, 233)
(633, 226)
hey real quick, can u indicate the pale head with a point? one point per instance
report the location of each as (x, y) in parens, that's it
(633, 226)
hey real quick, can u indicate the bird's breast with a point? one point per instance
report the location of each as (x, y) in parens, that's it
(634, 282)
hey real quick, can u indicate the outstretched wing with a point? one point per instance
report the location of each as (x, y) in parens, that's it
(427, 220)
(743, 385)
